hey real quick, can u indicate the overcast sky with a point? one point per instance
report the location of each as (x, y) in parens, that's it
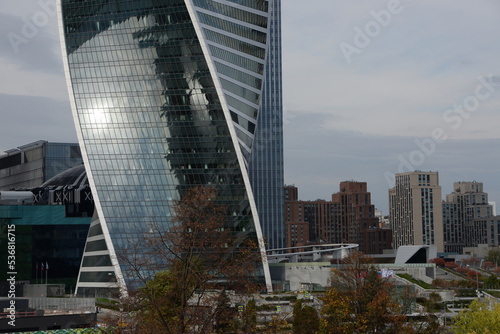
(371, 88)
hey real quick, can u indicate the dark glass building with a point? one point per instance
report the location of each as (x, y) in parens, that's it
(51, 227)
(266, 166)
(166, 95)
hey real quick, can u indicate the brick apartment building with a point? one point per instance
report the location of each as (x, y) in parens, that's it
(348, 218)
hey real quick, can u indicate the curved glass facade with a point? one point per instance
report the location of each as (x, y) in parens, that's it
(166, 96)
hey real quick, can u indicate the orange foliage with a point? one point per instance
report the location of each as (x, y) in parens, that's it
(488, 265)
(438, 261)
(451, 265)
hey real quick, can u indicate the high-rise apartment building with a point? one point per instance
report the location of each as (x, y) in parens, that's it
(266, 163)
(356, 211)
(468, 218)
(348, 218)
(453, 228)
(166, 95)
(308, 221)
(415, 210)
(357, 222)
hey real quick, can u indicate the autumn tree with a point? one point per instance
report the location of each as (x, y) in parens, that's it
(305, 319)
(277, 325)
(441, 283)
(187, 271)
(438, 261)
(359, 300)
(451, 265)
(492, 282)
(432, 303)
(494, 256)
(488, 265)
(249, 317)
(473, 275)
(478, 318)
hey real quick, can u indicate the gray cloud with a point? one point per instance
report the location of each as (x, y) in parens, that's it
(37, 52)
(343, 119)
(317, 159)
(407, 75)
(25, 119)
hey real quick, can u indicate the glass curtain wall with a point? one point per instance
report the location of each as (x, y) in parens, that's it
(166, 97)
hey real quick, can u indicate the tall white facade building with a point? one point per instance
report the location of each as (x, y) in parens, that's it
(415, 210)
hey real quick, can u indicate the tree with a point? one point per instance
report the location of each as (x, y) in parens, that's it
(473, 275)
(492, 282)
(250, 317)
(441, 283)
(451, 265)
(224, 315)
(438, 261)
(478, 319)
(488, 265)
(494, 256)
(435, 297)
(360, 301)
(188, 270)
(467, 284)
(305, 319)
(433, 301)
(277, 325)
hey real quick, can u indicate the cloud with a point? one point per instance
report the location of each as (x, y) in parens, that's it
(425, 60)
(344, 120)
(28, 46)
(30, 55)
(317, 159)
(26, 119)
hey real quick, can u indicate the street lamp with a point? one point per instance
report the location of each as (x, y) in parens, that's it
(477, 281)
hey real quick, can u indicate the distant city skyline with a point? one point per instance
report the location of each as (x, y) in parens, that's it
(368, 88)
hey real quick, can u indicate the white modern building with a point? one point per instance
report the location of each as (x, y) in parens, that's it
(415, 210)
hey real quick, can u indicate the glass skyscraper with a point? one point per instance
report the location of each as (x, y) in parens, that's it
(166, 95)
(266, 162)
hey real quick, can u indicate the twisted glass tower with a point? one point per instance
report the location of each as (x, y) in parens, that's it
(165, 96)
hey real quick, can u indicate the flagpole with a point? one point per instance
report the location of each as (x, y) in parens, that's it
(46, 272)
(36, 269)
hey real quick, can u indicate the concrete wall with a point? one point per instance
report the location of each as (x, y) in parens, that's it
(302, 276)
(426, 274)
